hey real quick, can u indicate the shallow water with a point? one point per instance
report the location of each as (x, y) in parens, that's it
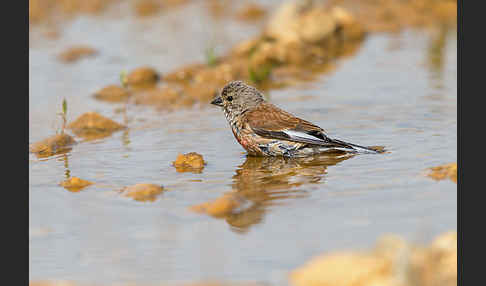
(397, 91)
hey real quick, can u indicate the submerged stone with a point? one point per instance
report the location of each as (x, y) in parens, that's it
(190, 162)
(143, 192)
(75, 184)
(75, 53)
(166, 97)
(92, 125)
(142, 76)
(444, 172)
(57, 144)
(112, 93)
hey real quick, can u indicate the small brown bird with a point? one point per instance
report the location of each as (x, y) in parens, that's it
(266, 130)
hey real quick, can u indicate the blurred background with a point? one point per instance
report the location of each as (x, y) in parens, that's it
(135, 179)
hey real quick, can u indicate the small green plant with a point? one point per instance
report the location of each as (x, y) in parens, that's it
(253, 50)
(63, 115)
(211, 58)
(123, 79)
(124, 83)
(259, 74)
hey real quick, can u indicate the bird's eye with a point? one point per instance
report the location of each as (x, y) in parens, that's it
(229, 98)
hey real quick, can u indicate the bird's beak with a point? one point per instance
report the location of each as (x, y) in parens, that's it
(217, 101)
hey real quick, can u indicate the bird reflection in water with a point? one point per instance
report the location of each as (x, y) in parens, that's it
(262, 182)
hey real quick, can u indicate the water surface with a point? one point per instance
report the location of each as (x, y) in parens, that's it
(398, 91)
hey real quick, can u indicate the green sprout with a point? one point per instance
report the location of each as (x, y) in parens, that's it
(124, 83)
(211, 58)
(260, 74)
(64, 106)
(123, 79)
(253, 49)
(63, 115)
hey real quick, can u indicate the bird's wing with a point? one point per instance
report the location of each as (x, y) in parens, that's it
(269, 121)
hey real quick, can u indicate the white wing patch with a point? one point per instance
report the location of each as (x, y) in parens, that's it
(297, 134)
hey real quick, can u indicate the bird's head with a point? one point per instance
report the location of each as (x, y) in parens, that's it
(237, 96)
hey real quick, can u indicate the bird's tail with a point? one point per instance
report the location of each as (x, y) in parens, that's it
(355, 147)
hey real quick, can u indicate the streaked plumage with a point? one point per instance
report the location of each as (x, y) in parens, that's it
(263, 129)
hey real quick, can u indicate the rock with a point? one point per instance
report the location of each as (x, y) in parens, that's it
(443, 172)
(393, 262)
(303, 21)
(142, 76)
(112, 93)
(37, 11)
(220, 74)
(184, 74)
(92, 125)
(164, 96)
(246, 48)
(446, 11)
(342, 16)
(190, 162)
(295, 21)
(85, 6)
(220, 207)
(436, 265)
(393, 16)
(316, 25)
(283, 25)
(143, 192)
(347, 24)
(250, 12)
(303, 35)
(75, 53)
(344, 269)
(75, 184)
(57, 144)
(218, 8)
(146, 7)
(283, 53)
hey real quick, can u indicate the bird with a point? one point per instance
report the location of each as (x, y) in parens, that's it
(264, 129)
